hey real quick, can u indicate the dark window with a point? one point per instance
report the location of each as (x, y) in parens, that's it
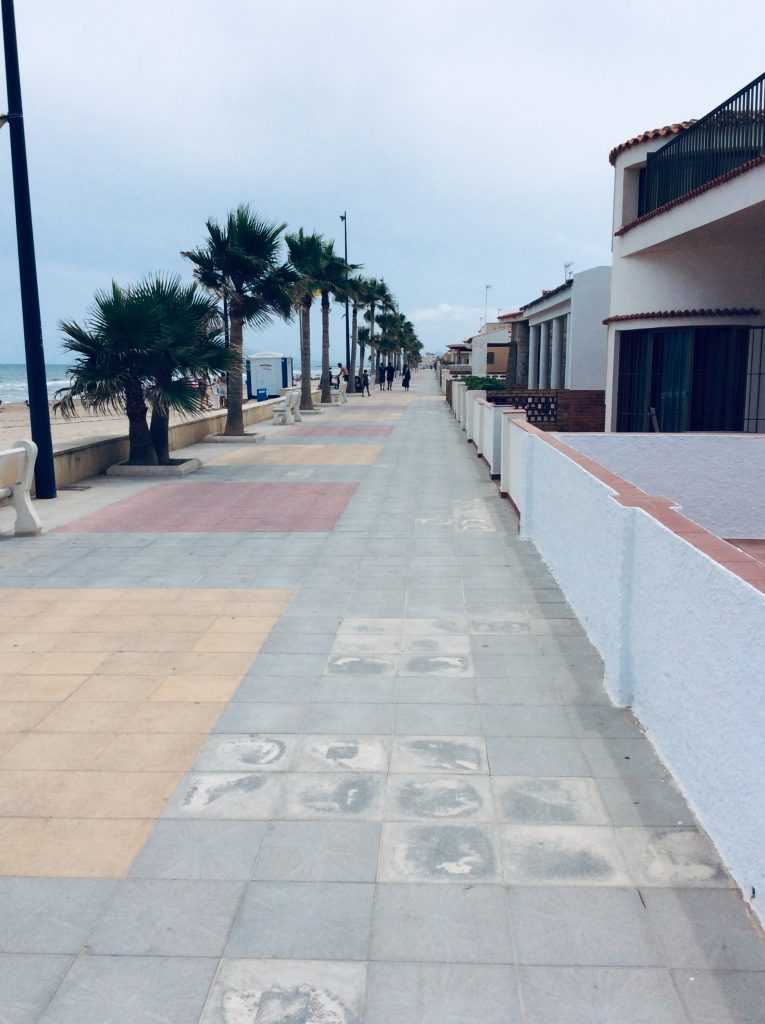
(642, 202)
(489, 358)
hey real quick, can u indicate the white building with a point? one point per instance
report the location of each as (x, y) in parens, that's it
(685, 323)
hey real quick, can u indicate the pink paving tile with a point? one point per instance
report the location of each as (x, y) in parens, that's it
(221, 507)
(359, 430)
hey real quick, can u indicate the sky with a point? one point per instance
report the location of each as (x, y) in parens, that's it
(468, 141)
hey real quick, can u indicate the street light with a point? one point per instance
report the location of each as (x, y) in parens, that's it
(344, 219)
(39, 414)
(486, 304)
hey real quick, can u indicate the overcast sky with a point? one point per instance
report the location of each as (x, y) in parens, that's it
(468, 141)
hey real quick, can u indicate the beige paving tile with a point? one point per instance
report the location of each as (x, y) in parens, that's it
(86, 643)
(8, 740)
(191, 687)
(85, 794)
(134, 620)
(69, 661)
(250, 625)
(39, 688)
(167, 716)
(143, 664)
(18, 716)
(230, 643)
(117, 688)
(70, 848)
(25, 642)
(41, 751)
(150, 752)
(82, 716)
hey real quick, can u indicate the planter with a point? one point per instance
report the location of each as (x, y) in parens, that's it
(178, 467)
(234, 439)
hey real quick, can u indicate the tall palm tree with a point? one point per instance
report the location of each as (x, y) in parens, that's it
(307, 259)
(355, 290)
(378, 296)
(334, 274)
(242, 262)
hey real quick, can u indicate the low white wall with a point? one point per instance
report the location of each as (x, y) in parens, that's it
(681, 637)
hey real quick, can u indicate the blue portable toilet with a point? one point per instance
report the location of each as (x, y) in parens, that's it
(268, 373)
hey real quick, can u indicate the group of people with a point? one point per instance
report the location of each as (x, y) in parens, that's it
(385, 377)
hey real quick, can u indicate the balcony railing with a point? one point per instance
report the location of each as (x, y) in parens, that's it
(728, 137)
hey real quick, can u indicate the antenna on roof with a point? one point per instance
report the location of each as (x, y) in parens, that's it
(568, 271)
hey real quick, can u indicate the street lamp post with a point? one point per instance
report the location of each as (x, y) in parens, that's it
(39, 414)
(486, 304)
(344, 219)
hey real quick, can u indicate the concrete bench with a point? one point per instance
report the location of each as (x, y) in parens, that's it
(288, 410)
(22, 458)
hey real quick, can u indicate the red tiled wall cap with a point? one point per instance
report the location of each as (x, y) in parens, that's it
(685, 314)
(648, 136)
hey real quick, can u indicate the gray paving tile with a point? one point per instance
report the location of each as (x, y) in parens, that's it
(353, 719)
(584, 995)
(575, 926)
(437, 720)
(437, 690)
(600, 722)
(645, 802)
(361, 664)
(462, 754)
(441, 923)
(347, 796)
(708, 929)
(556, 801)
(250, 796)
(449, 665)
(561, 855)
(27, 984)
(680, 857)
(246, 717)
(536, 756)
(278, 689)
(444, 797)
(303, 921)
(442, 994)
(525, 720)
(319, 851)
(200, 849)
(622, 759)
(138, 990)
(435, 852)
(286, 992)
(49, 915)
(540, 689)
(343, 753)
(288, 665)
(247, 753)
(722, 997)
(147, 917)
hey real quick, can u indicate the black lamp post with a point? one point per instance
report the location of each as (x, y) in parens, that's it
(45, 477)
(344, 219)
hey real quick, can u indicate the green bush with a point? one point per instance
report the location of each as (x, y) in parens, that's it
(484, 383)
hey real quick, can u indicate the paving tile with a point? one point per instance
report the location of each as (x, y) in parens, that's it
(444, 797)
(536, 756)
(70, 847)
(722, 997)
(556, 801)
(141, 990)
(343, 753)
(246, 717)
(576, 926)
(286, 991)
(581, 995)
(435, 852)
(622, 758)
(679, 857)
(707, 929)
(251, 796)
(461, 754)
(18, 716)
(148, 917)
(441, 923)
(200, 849)
(435, 690)
(437, 720)
(45, 915)
(326, 795)
(303, 921)
(645, 802)
(352, 719)
(519, 690)
(247, 753)
(27, 984)
(319, 851)
(441, 993)
(561, 855)
(599, 722)
(525, 720)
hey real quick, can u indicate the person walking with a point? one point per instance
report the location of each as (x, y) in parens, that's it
(406, 377)
(365, 384)
(390, 373)
(381, 376)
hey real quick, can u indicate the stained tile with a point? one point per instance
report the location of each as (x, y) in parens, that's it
(561, 855)
(431, 852)
(247, 753)
(440, 993)
(251, 796)
(347, 796)
(462, 754)
(681, 857)
(444, 797)
(556, 801)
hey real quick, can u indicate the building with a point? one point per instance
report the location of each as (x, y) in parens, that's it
(685, 321)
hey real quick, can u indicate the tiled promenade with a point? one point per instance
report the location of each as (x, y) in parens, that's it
(312, 737)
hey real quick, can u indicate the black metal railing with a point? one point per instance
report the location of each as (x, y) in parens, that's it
(726, 138)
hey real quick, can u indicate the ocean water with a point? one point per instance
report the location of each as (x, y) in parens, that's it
(13, 381)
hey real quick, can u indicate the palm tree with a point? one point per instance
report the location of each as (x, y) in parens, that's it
(378, 296)
(355, 290)
(307, 259)
(241, 261)
(334, 273)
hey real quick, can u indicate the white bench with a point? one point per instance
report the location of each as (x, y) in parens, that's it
(288, 410)
(17, 494)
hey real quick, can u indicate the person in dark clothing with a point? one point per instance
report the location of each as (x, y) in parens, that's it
(381, 376)
(389, 375)
(406, 377)
(365, 383)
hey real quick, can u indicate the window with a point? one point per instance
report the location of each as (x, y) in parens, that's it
(489, 358)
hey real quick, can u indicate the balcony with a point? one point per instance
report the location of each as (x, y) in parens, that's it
(726, 140)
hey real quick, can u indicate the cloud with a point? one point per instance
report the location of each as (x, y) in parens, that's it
(445, 312)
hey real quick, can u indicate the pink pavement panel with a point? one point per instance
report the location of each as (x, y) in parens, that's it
(221, 507)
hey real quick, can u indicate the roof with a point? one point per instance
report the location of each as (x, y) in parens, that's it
(515, 315)
(720, 180)
(653, 133)
(684, 314)
(546, 293)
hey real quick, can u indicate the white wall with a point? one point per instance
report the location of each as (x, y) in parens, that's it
(681, 638)
(587, 343)
(478, 355)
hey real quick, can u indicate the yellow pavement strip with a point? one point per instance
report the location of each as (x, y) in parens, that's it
(302, 455)
(106, 697)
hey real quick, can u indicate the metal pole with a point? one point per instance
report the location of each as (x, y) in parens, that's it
(486, 304)
(39, 414)
(344, 219)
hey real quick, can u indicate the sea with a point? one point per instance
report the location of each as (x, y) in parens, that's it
(13, 381)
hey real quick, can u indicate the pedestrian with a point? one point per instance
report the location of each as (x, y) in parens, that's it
(365, 383)
(380, 376)
(406, 377)
(389, 375)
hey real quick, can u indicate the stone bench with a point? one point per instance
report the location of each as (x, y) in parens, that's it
(22, 459)
(288, 410)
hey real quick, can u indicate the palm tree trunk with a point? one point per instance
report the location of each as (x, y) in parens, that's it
(326, 391)
(159, 428)
(362, 352)
(354, 343)
(306, 402)
(372, 334)
(234, 417)
(141, 451)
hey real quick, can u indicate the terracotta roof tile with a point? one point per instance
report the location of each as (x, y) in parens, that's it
(684, 314)
(546, 293)
(652, 133)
